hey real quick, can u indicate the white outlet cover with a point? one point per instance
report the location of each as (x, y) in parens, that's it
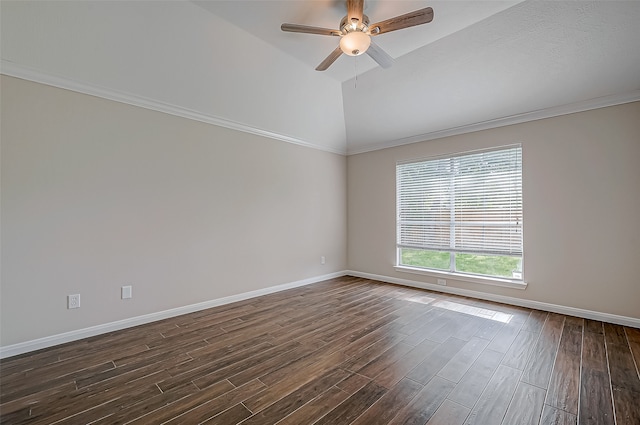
(73, 301)
(127, 292)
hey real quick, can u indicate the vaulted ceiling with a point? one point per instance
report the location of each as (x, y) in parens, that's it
(478, 64)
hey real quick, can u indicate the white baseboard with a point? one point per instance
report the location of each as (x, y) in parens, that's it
(49, 341)
(555, 308)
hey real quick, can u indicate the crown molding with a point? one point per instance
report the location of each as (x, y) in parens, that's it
(572, 108)
(13, 69)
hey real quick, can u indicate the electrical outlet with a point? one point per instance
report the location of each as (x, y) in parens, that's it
(126, 292)
(73, 301)
(442, 282)
(322, 260)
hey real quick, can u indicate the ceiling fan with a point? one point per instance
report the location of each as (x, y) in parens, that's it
(356, 33)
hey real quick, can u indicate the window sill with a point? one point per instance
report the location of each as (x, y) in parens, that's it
(494, 281)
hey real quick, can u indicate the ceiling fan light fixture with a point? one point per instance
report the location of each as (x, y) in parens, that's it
(355, 43)
(355, 32)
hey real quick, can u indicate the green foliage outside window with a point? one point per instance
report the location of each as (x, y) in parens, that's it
(490, 265)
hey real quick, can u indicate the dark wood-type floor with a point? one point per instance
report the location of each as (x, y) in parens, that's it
(345, 351)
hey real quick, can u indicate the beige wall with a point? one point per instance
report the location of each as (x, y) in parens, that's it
(581, 182)
(98, 194)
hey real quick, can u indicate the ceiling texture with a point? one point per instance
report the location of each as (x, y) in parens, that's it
(478, 64)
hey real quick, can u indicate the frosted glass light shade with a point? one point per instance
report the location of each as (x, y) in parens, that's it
(355, 43)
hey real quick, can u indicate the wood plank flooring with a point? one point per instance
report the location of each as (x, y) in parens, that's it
(344, 351)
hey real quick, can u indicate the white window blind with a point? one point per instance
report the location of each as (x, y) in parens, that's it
(469, 203)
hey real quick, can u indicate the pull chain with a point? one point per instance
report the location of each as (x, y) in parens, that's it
(355, 68)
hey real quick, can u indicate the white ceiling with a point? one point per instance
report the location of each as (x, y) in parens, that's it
(534, 56)
(263, 18)
(478, 64)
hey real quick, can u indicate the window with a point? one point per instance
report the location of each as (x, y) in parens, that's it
(462, 214)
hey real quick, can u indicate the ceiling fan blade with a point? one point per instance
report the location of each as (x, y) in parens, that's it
(309, 30)
(411, 19)
(355, 9)
(379, 55)
(329, 60)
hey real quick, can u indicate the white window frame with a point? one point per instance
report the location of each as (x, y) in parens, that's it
(518, 283)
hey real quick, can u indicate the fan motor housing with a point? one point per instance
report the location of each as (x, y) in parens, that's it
(346, 25)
